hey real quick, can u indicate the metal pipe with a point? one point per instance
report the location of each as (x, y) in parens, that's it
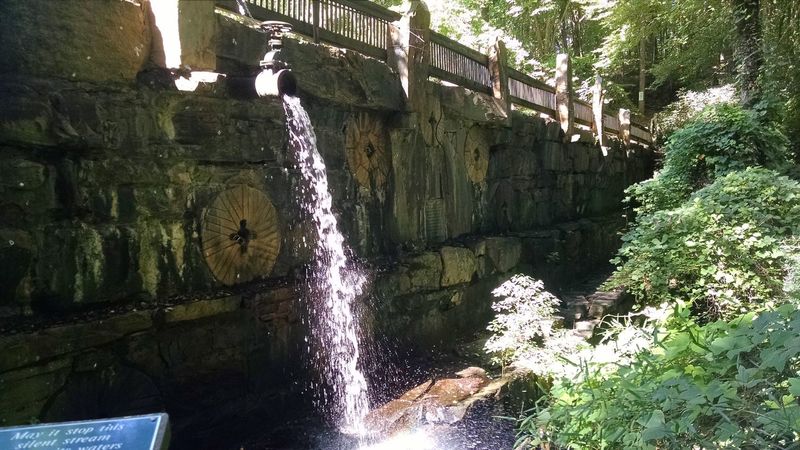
(276, 82)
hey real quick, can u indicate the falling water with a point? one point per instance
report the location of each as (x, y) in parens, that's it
(335, 284)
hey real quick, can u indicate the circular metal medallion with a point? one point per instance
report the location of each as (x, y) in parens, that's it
(367, 156)
(476, 154)
(241, 239)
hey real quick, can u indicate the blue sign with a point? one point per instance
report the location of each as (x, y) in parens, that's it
(148, 432)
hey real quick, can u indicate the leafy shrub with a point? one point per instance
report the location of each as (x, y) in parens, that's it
(524, 328)
(688, 107)
(722, 250)
(723, 385)
(723, 139)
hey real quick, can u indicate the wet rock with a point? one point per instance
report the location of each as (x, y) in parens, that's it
(453, 390)
(473, 372)
(445, 401)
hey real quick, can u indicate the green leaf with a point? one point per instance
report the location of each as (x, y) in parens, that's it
(654, 428)
(794, 386)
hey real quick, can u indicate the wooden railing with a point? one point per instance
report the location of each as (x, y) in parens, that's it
(640, 133)
(366, 27)
(529, 92)
(611, 124)
(583, 112)
(459, 64)
(353, 24)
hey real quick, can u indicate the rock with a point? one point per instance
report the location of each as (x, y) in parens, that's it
(425, 271)
(417, 392)
(473, 372)
(23, 349)
(504, 253)
(581, 156)
(552, 154)
(201, 309)
(395, 416)
(105, 41)
(26, 116)
(471, 105)
(26, 391)
(198, 34)
(458, 265)
(343, 76)
(444, 401)
(553, 131)
(453, 390)
(22, 174)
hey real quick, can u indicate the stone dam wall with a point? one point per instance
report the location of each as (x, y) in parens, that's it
(109, 292)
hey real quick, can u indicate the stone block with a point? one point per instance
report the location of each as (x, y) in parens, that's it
(198, 34)
(17, 252)
(580, 154)
(238, 48)
(73, 267)
(24, 349)
(343, 76)
(553, 131)
(202, 309)
(504, 253)
(394, 283)
(26, 391)
(104, 41)
(26, 117)
(22, 174)
(553, 157)
(537, 247)
(458, 265)
(472, 106)
(425, 271)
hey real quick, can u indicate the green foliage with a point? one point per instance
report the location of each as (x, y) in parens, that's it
(688, 107)
(729, 384)
(524, 318)
(689, 35)
(724, 138)
(722, 250)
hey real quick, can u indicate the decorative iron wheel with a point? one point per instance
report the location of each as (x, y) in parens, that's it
(476, 155)
(240, 234)
(367, 156)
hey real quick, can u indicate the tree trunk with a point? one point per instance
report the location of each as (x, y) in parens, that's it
(748, 49)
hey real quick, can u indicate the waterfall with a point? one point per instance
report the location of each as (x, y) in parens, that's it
(335, 283)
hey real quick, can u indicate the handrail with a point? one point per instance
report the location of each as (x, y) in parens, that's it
(457, 63)
(372, 9)
(529, 80)
(358, 25)
(365, 26)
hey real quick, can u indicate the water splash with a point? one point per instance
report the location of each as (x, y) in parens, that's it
(334, 283)
(415, 439)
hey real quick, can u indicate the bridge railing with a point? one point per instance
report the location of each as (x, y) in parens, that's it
(459, 64)
(367, 27)
(354, 24)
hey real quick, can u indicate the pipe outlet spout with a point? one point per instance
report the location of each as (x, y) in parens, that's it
(275, 78)
(276, 82)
